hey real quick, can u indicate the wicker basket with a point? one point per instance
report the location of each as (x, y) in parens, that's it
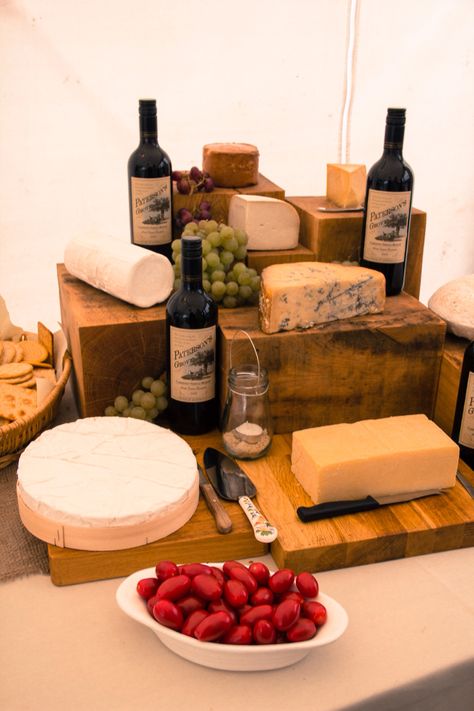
(15, 436)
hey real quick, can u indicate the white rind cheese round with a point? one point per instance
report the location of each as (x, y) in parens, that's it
(454, 303)
(107, 474)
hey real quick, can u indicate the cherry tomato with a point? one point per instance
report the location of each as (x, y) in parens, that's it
(260, 612)
(229, 564)
(166, 569)
(239, 634)
(213, 626)
(189, 604)
(307, 584)
(292, 595)
(264, 632)
(260, 572)
(302, 630)
(217, 573)
(150, 603)
(192, 569)
(206, 586)
(314, 611)
(286, 614)
(147, 587)
(166, 613)
(218, 605)
(262, 596)
(281, 581)
(244, 577)
(235, 593)
(173, 588)
(194, 619)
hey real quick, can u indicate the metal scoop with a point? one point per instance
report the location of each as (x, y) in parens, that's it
(232, 484)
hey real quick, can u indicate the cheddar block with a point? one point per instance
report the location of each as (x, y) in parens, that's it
(392, 455)
(345, 184)
(304, 294)
(269, 223)
(231, 165)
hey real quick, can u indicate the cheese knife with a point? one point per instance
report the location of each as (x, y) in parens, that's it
(339, 508)
(221, 517)
(462, 479)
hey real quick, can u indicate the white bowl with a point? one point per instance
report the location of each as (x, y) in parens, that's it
(229, 656)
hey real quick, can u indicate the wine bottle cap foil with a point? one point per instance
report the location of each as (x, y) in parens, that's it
(396, 116)
(191, 245)
(147, 107)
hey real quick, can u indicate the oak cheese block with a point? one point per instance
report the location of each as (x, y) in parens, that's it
(336, 236)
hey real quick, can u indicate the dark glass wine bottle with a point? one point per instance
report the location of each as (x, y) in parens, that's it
(463, 426)
(387, 213)
(191, 320)
(150, 187)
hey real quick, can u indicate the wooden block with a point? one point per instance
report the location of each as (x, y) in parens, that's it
(337, 236)
(343, 371)
(263, 258)
(220, 198)
(113, 344)
(449, 377)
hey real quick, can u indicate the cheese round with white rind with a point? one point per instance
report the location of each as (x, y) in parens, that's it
(454, 303)
(107, 483)
(231, 165)
(127, 271)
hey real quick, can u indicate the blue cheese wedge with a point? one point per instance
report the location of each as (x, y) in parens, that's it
(305, 294)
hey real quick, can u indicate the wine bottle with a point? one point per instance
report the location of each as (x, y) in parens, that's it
(463, 426)
(150, 187)
(191, 319)
(387, 212)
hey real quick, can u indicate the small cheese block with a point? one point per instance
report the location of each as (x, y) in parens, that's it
(392, 455)
(269, 223)
(454, 303)
(231, 165)
(134, 274)
(304, 294)
(346, 184)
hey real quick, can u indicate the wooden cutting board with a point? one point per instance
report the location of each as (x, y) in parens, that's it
(429, 525)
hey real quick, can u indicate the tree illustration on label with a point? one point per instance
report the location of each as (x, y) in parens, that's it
(396, 220)
(158, 209)
(201, 364)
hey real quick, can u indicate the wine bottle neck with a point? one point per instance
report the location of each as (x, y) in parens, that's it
(393, 142)
(148, 129)
(191, 263)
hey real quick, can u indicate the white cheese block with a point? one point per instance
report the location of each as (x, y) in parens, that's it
(454, 302)
(345, 184)
(392, 455)
(304, 294)
(268, 223)
(106, 479)
(129, 272)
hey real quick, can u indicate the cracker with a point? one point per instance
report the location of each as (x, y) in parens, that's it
(9, 352)
(33, 352)
(4, 421)
(19, 353)
(16, 401)
(16, 381)
(15, 370)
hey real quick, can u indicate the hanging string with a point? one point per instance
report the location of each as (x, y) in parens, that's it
(351, 46)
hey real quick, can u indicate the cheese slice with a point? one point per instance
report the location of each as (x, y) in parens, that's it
(269, 223)
(304, 294)
(392, 455)
(134, 274)
(231, 165)
(454, 303)
(107, 474)
(345, 184)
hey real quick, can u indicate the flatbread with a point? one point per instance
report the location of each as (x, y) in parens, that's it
(16, 401)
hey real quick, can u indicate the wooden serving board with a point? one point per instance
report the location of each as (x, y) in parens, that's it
(429, 525)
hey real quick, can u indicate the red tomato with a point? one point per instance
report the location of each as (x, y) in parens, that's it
(173, 588)
(314, 611)
(213, 626)
(264, 632)
(244, 577)
(302, 630)
(286, 614)
(206, 586)
(239, 634)
(260, 612)
(262, 596)
(194, 619)
(192, 569)
(147, 587)
(150, 603)
(218, 605)
(166, 569)
(235, 593)
(292, 595)
(281, 581)
(217, 573)
(307, 585)
(229, 564)
(189, 604)
(166, 613)
(260, 572)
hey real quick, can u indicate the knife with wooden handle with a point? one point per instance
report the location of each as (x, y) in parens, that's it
(222, 518)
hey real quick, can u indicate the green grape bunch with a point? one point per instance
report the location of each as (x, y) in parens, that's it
(146, 403)
(225, 275)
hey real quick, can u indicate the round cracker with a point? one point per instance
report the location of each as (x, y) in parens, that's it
(19, 353)
(15, 370)
(9, 352)
(33, 352)
(17, 381)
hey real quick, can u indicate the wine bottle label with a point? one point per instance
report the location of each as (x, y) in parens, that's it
(151, 210)
(466, 431)
(193, 363)
(386, 226)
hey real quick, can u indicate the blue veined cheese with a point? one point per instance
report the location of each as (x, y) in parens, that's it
(304, 294)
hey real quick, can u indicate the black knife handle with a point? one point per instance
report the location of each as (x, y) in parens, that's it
(335, 508)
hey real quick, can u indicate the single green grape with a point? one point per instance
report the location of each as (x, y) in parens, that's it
(206, 285)
(217, 275)
(218, 290)
(238, 268)
(147, 381)
(148, 401)
(241, 252)
(126, 412)
(252, 272)
(110, 411)
(245, 292)
(177, 260)
(214, 238)
(176, 245)
(151, 414)
(158, 388)
(243, 278)
(212, 260)
(232, 288)
(161, 403)
(206, 247)
(255, 283)
(191, 227)
(231, 276)
(211, 226)
(226, 231)
(138, 412)
(226, 258)
(230, 244)
(230, 302)
(120, 403)
(241, 237)
(137, 397)
(177, 284)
